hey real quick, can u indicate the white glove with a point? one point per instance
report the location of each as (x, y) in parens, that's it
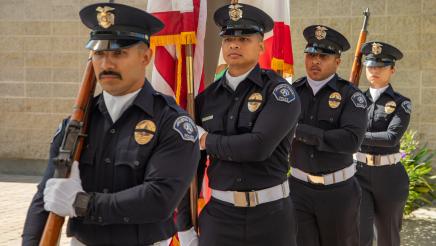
(60, 193)
(201, 131)
(188, 238)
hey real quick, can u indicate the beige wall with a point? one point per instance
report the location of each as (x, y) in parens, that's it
(42, 56)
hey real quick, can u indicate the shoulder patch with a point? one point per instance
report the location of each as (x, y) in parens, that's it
(186, 128)
(407, 106)
(359, 100)
(284, 93)
(57, 131)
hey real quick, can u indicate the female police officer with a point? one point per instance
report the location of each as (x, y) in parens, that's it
(383, 179)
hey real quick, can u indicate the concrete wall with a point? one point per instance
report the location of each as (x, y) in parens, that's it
(42, 57)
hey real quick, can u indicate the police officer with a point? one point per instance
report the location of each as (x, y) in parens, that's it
(141, 151)
(249, 116)
(330, 129)
(383, 179)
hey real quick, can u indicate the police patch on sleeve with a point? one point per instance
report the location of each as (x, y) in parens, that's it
(284, 93)
(407, 106)
(186, 128)
(359, 100)
(57, 132)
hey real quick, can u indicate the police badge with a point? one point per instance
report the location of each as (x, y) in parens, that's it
(254, 102)
(320, 32)
(390, 107)
(144, 131)
(335, 100)
(105, 18)
(376, 48)
(235, 13)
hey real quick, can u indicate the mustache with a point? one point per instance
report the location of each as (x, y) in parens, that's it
(110, 73)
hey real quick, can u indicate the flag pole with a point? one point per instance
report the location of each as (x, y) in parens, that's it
(193, 191)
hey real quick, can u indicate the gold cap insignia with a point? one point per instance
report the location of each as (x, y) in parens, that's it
(235, 12)
(335, 100)
(376, 48)
(254, 102)
(390, 107)
(320, 32)
(105, 18)
(144, 131)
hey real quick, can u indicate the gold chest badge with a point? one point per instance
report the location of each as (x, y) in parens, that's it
(105, 18)
(335, 100)
(390, 107)
(376, 48)
(320, 32)
(235, 12)
(254, 101)
(144, 131)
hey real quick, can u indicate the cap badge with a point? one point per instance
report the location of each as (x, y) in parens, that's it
(235, 12)
(376, 48)
(320, 32)
(105, 18)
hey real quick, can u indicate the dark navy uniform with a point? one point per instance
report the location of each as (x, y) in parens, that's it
(250, 133)
(135, 171)
(383, 179)
(330, 129)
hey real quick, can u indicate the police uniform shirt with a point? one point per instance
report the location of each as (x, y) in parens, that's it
(249, 130)
(388, 118)
(136, 170)
(331, 126)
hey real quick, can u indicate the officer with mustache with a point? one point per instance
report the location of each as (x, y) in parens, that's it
(140, 153)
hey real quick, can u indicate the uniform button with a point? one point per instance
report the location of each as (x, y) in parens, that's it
(236, 98)
(331, 119)
(231, 117)
(113, 131)
(311, 156)
(107, 160)
(136, 163)
(239, 180)
(229, 158)
(250, 123)
(100, 219)
(126, 219)
(311, 117)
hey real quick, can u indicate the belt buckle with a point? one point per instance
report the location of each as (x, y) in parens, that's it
(316, 179)
(370, 160)
(245, 199)
(373, 160)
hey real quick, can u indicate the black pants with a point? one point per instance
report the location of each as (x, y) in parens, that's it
(327, 215)
(268, 224)
(384, 194)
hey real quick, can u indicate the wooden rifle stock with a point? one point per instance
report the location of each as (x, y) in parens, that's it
(357, 63)
(71, 149)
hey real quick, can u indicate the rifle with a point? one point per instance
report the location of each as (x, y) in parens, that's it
(71, 148)
(356, 69)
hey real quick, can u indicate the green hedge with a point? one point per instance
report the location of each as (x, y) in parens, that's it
(417, 161)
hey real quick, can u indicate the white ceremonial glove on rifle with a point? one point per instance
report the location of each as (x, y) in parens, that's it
(60, 193)
(188, 238)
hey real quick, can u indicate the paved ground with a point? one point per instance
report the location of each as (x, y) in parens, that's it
(17, 191)
(16, 194)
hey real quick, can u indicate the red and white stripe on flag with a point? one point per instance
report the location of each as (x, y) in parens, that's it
(278, 45)
(185, 23)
